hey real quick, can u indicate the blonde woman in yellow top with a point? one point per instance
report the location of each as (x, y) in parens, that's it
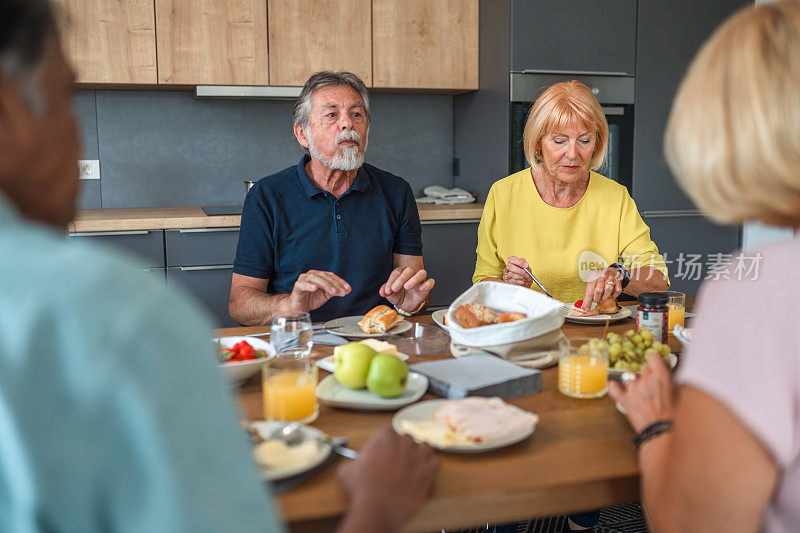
(578, 232)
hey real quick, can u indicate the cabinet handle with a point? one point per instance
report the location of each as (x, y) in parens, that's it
(206, 230)
(206, 267)
(107, 233)
(460, 221)
(670, 214)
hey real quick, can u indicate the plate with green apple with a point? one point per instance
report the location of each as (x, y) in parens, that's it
(366, 380)
(333, 393)
(329, 364)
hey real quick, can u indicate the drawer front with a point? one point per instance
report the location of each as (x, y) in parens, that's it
(204, 246)
(147, 246)
(449, 252)
(210, 285)
(158, 274)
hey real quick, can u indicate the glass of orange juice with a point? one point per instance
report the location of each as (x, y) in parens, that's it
(677, 309)
(289, 387)
(583, 368)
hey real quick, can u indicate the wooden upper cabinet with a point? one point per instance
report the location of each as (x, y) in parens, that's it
(109, 42)
(425, 44)
(306, 36)
(212, 42)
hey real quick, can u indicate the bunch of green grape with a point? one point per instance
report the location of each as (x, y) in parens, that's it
(630, 350)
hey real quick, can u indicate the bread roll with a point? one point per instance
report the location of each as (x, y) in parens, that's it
(473, 315)
(607, 307)
(511, 317)
(379, 319)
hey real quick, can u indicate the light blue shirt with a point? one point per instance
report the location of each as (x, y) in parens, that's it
(113, 416)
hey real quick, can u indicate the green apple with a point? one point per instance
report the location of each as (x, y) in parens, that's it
(387, 376)
(351, 364)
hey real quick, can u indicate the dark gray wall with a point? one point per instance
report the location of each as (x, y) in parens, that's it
(482, 118)
(165, 148)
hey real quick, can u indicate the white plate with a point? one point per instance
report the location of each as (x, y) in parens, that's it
(265, 429)
(348, 327)
(241, 370)
(672, 359)
(623, 313)
(328, 364)
(438, 317)
(422, 412)
(333, 393)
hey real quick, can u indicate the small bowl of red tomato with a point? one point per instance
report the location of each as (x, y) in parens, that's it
(241, 357)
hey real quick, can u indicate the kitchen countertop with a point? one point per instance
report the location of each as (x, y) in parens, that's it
(156, 218)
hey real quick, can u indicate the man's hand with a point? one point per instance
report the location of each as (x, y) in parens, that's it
(407, 288)
(313, 288)
(388, 482)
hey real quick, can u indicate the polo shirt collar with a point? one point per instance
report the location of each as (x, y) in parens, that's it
(361, 183)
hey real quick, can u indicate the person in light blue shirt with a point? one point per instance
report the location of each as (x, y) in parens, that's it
(113, 416)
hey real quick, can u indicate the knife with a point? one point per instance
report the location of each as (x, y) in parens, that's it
(528, 272)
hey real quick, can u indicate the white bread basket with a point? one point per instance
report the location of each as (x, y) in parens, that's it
(543, 314)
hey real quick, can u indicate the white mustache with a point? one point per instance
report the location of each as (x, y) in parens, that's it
(349, 135)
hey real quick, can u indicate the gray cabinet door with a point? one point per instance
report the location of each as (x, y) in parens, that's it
(202, 246)
(146, 246)
(210, 285)
(669, 35)
(583, 35)
(449, 254)
(691, 246)
(201, 260)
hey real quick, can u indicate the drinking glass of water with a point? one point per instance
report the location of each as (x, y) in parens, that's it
(291, 335)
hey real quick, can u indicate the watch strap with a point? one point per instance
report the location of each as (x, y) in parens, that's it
(626, 276)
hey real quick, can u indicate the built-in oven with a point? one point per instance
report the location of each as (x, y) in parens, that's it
(614, 91)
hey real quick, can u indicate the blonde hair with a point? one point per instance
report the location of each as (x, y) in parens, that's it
(563, 104)
(733, 136)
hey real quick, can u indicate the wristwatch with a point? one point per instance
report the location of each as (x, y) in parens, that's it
(626, 276)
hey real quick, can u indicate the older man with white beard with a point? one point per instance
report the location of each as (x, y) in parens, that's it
(332, 236)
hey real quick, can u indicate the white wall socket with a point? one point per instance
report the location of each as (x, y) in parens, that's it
(89, 169)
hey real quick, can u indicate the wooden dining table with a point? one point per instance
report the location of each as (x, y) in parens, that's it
(580, 457)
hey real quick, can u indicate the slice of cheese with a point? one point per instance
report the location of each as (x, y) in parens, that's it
(380, 346)
(434, 433)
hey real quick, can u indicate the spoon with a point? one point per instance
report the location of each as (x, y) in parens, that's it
(291, 435)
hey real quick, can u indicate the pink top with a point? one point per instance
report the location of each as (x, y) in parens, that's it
(745, 353)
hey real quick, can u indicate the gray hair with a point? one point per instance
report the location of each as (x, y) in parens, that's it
(326, 78)
(26, 27)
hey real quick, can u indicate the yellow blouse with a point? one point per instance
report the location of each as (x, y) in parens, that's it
(602, 228)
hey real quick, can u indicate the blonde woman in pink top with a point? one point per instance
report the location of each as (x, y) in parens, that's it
(719, 448)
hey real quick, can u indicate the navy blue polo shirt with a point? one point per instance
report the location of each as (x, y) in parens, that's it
(290, 226)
